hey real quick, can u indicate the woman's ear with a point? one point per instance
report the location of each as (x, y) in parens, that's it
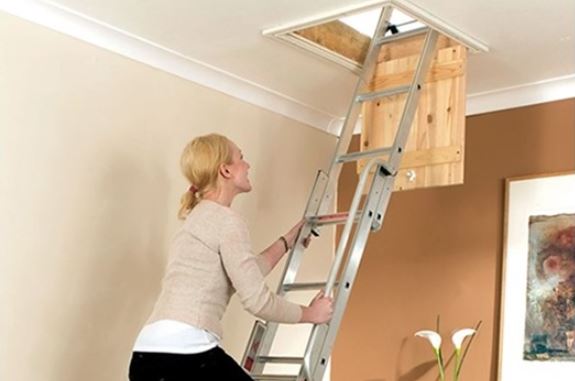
(224, 171)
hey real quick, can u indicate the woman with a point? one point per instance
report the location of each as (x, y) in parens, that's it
(210, 259)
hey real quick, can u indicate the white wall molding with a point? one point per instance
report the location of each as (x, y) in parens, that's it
(550, 90)
(106, 36)
(116, 40)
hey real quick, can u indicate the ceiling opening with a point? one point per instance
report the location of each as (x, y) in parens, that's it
(365, 22)
(344, 37)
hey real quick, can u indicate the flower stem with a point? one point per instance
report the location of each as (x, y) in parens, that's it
(468, 344)
(457, 364)
(440, 364)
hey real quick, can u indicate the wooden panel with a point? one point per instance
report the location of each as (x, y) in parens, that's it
(435, 149)
(409, 47)
(433, 156)
(439, 72)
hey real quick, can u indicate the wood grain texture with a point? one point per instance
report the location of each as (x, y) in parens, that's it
(439, 123)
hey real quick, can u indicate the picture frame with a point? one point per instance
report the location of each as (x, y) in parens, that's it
(534, 340)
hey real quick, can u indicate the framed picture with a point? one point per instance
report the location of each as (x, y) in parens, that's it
(537, 337)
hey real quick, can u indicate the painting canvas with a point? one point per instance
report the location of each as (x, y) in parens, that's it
(537, 326)
(550, 309)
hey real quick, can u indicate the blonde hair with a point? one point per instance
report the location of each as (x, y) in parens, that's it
(200, 163)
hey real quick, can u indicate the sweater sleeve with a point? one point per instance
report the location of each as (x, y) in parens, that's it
(263, 264)
(243, 270)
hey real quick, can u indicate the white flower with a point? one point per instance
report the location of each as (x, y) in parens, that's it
(459, 336)
(432, 336)
(457, 339)
(435, 341)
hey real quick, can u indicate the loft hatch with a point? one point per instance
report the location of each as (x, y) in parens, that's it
(344, 36)
(433, 152)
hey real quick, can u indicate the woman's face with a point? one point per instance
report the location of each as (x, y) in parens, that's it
(238, 170)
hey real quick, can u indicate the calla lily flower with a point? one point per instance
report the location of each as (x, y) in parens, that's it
(459, 336)
(457, 339)
(432, 336)
(435, 340)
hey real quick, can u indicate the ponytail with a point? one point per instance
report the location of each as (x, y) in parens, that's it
(187, 203)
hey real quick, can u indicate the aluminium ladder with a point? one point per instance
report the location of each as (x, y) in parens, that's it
(369, 218)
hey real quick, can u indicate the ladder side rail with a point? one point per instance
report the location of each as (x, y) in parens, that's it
(410, 108)
(345, 235)
(342, 245)
(381, 209)
(325, 343)
(296, 253)
(411, 104)
(412, 100)
(355, 107)
(290, 271)
(319, 186)
(314, 357)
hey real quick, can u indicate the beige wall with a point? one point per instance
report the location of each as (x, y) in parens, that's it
(440, 252)
(89, 190)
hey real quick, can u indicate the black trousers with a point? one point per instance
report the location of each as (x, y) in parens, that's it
(213, 365)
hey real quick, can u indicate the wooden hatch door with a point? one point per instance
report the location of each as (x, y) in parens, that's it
(434, 152)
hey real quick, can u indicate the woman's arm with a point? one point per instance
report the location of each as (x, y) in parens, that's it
(274, 252)
(248, 281)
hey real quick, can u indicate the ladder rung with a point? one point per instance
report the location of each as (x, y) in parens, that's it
(409, 22)
(401, 36)
(305, 286)
(382, 94)
(273, 377)
(280, 360)
(363, 155)
(331, 219)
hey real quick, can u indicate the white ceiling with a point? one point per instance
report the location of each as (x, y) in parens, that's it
(529, 40)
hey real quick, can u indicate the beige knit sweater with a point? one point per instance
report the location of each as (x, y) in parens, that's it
(210, 258)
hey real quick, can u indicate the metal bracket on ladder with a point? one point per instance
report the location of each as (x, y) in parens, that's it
(368, 218)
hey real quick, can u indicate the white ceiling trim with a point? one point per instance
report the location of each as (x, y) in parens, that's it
(119, 41)
(550, 90)
(405, 6)
(111, 38)
(434, 22)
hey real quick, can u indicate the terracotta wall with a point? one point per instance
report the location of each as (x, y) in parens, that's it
(440, 252)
